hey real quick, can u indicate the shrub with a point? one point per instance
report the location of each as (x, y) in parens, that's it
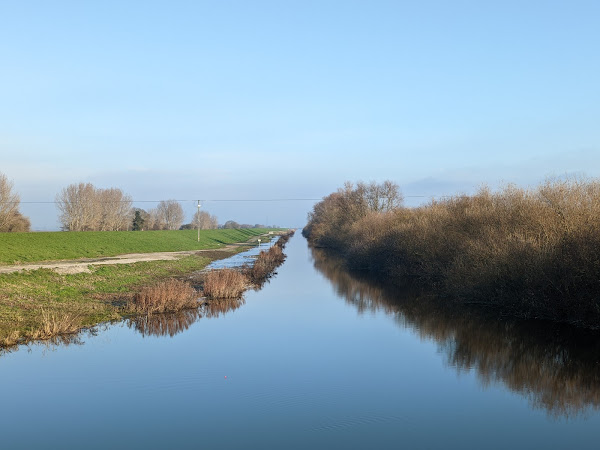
(533, 253)
(225, 283)
(167, 296)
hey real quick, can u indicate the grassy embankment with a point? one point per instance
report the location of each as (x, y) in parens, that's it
(40, 303)
(529, 253)
(32, 247)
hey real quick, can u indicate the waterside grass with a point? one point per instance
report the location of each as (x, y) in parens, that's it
(29, 298)
(41, 304)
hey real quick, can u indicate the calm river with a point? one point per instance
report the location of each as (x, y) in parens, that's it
(316, 359)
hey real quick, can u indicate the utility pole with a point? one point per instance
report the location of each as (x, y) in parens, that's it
(198, 218)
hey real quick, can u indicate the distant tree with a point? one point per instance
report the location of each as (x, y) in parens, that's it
(114, 209)
(138, 221)
(20, 223)
(10, 217)
(231, 224)
(170, 213)
(77, 207)
(82, 207)
(204, 221)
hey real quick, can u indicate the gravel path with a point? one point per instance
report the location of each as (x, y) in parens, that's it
(82, 265)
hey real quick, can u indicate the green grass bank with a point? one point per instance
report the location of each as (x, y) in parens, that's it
(40, 304)
(53, 246)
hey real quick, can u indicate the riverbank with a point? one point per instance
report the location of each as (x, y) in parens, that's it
(39, 304)
(526, 253)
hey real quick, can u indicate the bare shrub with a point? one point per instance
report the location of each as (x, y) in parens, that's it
(225, 283)
(265, 264)
(532, 252)
(167, 296)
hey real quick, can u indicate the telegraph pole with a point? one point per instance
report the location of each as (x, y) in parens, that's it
(198, 218)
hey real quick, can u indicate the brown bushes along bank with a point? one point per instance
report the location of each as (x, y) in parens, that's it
(531, 253)
(225, 283)
(167, 296)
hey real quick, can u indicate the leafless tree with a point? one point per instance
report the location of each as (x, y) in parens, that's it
(204, 221)
(115, 209)
(381, 197)
(84, 208)
(76, 204)
(10, 217)
(231, 224)
(170, 213)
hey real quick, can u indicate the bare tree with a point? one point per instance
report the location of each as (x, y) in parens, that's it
(381, 197)
(10, 217)
(84, 208)
(170, 213)
(154, 221)
(204, 221)
(115, 209)
(76, 204)
(231, 224)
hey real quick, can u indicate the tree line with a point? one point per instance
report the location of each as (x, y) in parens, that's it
(532, 253)
(84, 207)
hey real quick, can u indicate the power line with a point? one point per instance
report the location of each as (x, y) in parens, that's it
(221, 200)
(183, 201)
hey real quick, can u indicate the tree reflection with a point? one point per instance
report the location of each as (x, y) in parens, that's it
(170, 324)
(555, 366)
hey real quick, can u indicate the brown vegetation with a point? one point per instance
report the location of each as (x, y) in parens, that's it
(167, 296)
(225, 283)
(54, 323)
(533, 253)
(267, 261)
(11, 220)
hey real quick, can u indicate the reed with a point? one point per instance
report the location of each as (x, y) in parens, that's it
(167, 296)
(225, 283)
(55, 323)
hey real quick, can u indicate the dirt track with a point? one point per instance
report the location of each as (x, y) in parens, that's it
(82, 265)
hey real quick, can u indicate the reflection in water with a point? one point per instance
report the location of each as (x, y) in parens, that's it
(170, 324)
(556, 367)
(53, 343)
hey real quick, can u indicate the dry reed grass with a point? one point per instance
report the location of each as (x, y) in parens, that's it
(265, 264)
(167, 296)
(54, 324)
(533, 253)
(225, 283)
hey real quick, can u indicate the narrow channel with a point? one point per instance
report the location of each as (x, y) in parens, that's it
(316, 359)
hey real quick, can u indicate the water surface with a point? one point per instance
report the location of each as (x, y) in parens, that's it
(316, 359)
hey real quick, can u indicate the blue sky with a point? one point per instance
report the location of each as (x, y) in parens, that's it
(253, 100)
